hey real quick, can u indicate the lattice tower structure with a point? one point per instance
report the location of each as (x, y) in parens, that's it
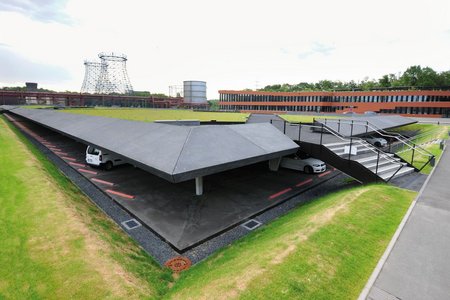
(113, 77)
(91, 76)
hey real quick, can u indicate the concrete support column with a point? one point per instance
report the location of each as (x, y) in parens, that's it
(274, 164)
(199, 186)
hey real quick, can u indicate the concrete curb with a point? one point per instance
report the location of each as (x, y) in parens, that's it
(376, 272)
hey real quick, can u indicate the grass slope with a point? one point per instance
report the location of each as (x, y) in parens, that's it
(55, 243)
(325, 249)
(150, 115)
(425, 133)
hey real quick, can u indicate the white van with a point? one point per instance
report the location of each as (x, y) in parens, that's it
(97, 157)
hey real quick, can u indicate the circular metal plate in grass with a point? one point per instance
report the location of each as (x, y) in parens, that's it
(178, 264)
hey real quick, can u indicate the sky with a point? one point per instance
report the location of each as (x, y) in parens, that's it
(231, 44)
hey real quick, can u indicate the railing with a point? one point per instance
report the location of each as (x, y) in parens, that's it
(351, 142)
(404, 143)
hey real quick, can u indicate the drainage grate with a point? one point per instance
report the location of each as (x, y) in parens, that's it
(131, 224)
(251, 224)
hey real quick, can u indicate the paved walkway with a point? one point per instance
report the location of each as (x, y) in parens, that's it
(418, 267)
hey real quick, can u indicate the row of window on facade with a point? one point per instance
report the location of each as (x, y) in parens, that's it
(418, 110)
(305, 108)
(312, 108)
(375, 99)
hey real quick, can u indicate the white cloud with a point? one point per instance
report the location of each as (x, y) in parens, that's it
(40, 10)
(232, 44)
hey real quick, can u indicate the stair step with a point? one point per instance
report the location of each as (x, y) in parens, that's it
(373, 164)
(362, 150)
(343, 145)
(388, 168)
(370, 158)
(403, 171)
(336, 144)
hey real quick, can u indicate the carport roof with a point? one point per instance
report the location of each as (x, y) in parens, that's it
(175, 153)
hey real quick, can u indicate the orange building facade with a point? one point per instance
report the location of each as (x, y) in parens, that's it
(419, 103)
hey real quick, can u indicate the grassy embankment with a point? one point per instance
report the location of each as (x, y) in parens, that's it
(150, 115)
(425, 133)
(55, 243)
(325, 249)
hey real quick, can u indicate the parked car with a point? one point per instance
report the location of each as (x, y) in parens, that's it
(98, 158)
(376, 141)
(308, 165)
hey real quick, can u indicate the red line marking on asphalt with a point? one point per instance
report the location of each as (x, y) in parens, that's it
(102, 181)
(120, 194)
(279, 193)
(60, 153)
(87, 171)
(304, 182)
(324, 174)
(68, 158)
(54, 149)
(76, 164)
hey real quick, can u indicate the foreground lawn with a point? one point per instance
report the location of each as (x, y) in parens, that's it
(55, 244)
(326, 249)
(150, 115)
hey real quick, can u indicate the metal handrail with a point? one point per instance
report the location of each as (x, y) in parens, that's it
(341, 137)
(376, 129)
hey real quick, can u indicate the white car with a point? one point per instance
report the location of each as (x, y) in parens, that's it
(376, 141)
(96, 157)
(307, 165)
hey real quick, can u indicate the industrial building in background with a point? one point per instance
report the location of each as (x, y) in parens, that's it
(193, 93)
(31, 86)
(419, 103)
(107, 76)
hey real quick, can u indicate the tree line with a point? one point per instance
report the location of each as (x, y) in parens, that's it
(415, 77)
(134, 93)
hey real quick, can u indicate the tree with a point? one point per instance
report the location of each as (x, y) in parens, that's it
(414, 76)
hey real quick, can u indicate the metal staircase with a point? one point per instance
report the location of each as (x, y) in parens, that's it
(398, 144)
(351, 155)
(382, 164)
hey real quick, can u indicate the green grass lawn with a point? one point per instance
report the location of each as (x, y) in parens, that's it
(55, 244)
(425, 134)
(326, 249)
(418, 127)
(150, 115)
(306, 118)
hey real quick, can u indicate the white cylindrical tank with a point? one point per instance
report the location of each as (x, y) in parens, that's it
(194, 92)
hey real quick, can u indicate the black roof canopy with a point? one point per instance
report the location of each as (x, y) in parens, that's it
(175, 153)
